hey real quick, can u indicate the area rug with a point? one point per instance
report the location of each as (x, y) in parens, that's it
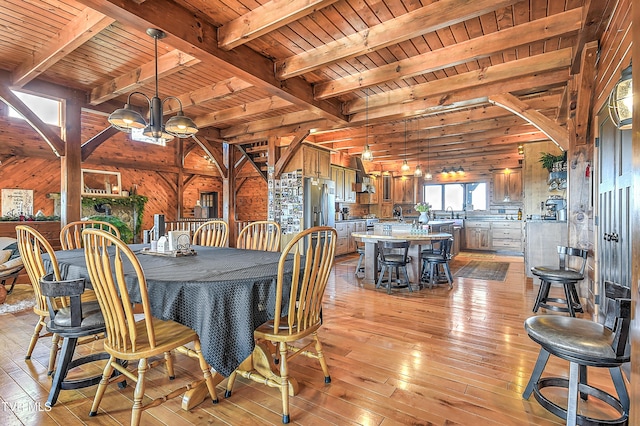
(483, 270)
(21, 298)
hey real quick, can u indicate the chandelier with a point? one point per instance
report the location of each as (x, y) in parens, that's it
(125, 119)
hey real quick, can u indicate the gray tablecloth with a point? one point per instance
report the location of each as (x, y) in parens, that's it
(224, 294)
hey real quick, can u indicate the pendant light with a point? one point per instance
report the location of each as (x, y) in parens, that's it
(367, 154)
(125, 119)
(405, 166)
(428, 175)
(418, 171)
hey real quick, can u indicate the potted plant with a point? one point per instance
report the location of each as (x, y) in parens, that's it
(423, 208)
(547, 159)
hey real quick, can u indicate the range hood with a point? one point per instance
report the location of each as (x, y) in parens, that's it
(363, 182)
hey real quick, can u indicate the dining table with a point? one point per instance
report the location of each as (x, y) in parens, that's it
(417, 240)
(224, 294)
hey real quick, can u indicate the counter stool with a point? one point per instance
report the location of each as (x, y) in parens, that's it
(432, 260)
(584, 343)
(360, 251)
(391, 260)
(564, 276)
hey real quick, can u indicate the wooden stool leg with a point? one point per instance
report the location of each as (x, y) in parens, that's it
(569, 298)
(543, 357)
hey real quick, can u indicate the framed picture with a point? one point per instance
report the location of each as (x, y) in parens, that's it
(16, 202)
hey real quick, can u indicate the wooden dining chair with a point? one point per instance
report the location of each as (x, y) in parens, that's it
(129, 339)
(213, 233)
(32, 245)
(260, 235)
(71, 233)
(298, 309)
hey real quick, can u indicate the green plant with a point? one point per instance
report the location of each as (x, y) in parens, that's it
(125, 232)
(547, 159)
(136, 201)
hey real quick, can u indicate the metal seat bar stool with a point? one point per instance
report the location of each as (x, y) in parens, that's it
(562, 275)
(435, 258)
(391, 260)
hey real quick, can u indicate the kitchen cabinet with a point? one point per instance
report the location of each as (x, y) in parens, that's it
(337, 175)
(386, 186)
(368, 197)
(345, 242)
(403, 190)
(507, 186)
(507, 236)
(316, 162)
(345, 180)
(349, 182)
(477, 235)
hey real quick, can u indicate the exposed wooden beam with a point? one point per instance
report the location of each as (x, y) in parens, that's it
(582, 118)
(92, 144)
(78, 31)
(430, 18)
(192, 33)
(44, 130)
(264, 19)
(168, 64)
(268, 124)
(489, 79)
(534, 31)
(242, 111)
(213, 152)
(596, 15)
(219, 90)
(293, 147)
(559, 135)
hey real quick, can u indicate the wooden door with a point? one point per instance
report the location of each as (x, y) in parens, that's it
(614, 204)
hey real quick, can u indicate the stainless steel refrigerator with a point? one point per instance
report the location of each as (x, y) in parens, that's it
(319, 202)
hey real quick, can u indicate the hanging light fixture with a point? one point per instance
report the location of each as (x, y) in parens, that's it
(621, 101)
(405, 166)
(125, 119)
(418, 170)
(367, 154)
(428, 175)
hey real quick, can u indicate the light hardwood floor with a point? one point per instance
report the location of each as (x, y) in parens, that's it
(432, 357)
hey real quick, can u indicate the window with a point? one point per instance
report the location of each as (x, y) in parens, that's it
(136, 135)
(47, 110)
(459, 196)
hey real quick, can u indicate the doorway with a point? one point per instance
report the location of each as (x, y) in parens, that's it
(209, 204)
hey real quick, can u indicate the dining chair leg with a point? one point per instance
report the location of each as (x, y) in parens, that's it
(284, 382)
(34, 337)
(321, 359)
(53, 353)
(168, 357)
(138, 393)
(102, 386)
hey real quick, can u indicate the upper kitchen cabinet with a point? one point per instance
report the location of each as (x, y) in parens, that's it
(386, 188)
(507, 186)
(404, 190)
(345, 180)
(337, 175)
(316, 162)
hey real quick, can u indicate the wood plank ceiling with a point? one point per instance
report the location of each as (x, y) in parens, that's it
(427, 76)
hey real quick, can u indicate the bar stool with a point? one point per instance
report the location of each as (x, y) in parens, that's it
(390, 260)
(584, 343)
(567, 277)
(432, 260)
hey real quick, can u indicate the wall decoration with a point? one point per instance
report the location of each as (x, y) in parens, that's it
(17, 202)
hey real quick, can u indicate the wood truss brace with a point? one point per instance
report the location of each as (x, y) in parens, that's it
(296, 143)
(558, 134)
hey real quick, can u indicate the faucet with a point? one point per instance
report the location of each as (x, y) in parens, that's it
(447, 209)
(397, 212)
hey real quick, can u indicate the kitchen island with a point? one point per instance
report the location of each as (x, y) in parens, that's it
(417, 241)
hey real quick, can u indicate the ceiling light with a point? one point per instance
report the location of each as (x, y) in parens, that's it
(125, 119)
(418, 171)
(621, 101)
(405, 166)
(367, 154)
(445, 171)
